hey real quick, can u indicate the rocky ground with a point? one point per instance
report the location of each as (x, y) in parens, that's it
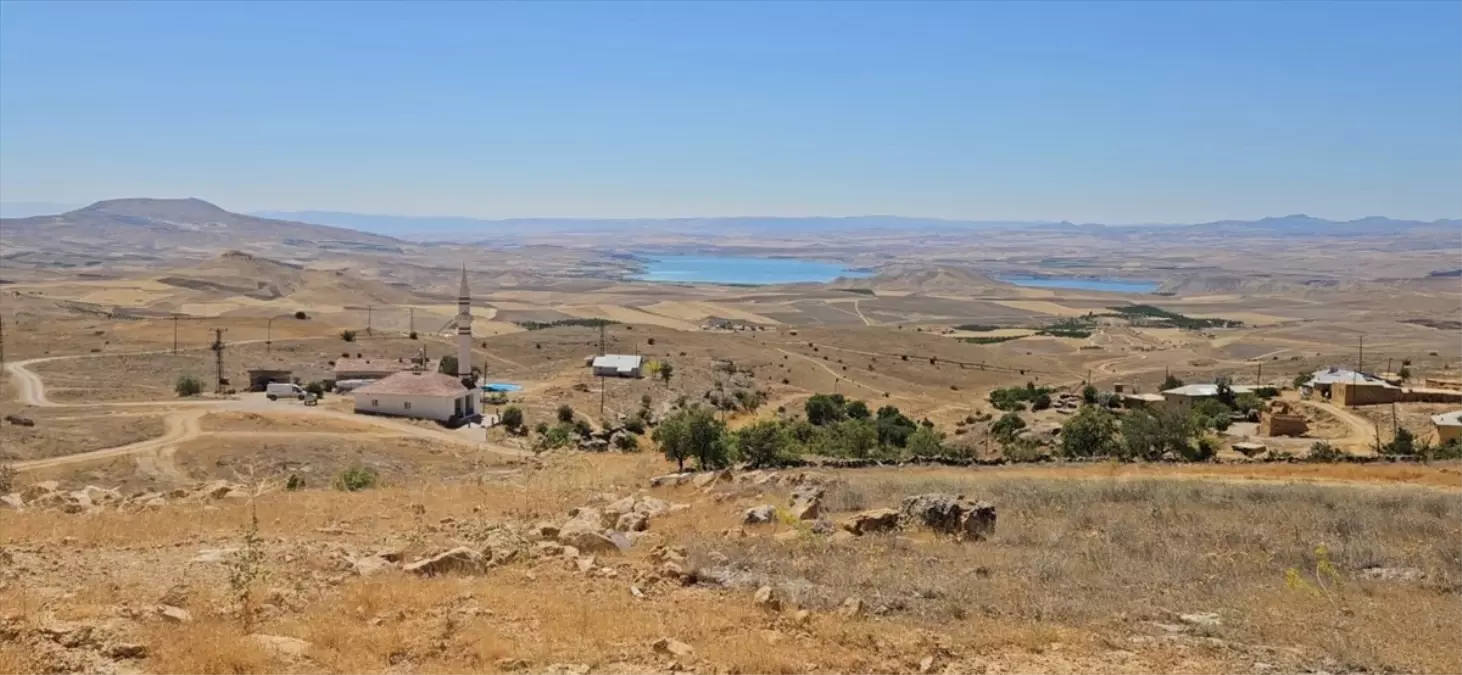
(593, 563)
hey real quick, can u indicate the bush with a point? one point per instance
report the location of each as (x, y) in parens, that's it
(565, 414)
(512, 417)
(301, 315)
(1014, 398)
(857, 410)
(1404, 373)
(825, 409)
(1091, 432)
(582, 428)
(7, 478)
(1149, 434)
(412, 335)
(1203, 450)
(1171, 382)
(187, 385)
(556, 436)
(1041, 401)
(295, 483)
(762, 444)
(356, 478)
(1321, 451)
(347, 335)
(1007, 426)
(1089, 394)
(1209, 413)
(627, 443)
(1403, 444)
(317, 388)
(1302, 379)
(926, 442)
(541, 428)
(635, 425)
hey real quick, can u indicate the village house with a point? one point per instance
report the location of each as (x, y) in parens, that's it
(422, 395)
(617, 365)
(370, 369)
(1449, 425)
(1185, 396)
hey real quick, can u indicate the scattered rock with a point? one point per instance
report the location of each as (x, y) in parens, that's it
(842, 537)
(567, 669)
(174, 614)
(39, 489)
(786, 536)
(460, 559)
(671, 480)
(758, 515)
(214, 555)
(1204, 619)
(874, 520)
(633, 522)
(807, 501)
(801, 617)
(281, 647)
(949, 514)
(511, 664)
(851, 607)
(544, 530)
(672, 647)
(587, 540)
(710, 478)
(125, 650)
(13, 500)
(585, 564)
(635, 592)
(371, 564)
(548, 548)
(766, 598)
(926, 664)
(1392, 574)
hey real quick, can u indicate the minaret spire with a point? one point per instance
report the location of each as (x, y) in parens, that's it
(464, 328)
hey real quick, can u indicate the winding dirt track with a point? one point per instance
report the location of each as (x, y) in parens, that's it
(180, 426)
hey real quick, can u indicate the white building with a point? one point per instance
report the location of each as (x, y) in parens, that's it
(425, 395)
(617, 365)
(1185, 396)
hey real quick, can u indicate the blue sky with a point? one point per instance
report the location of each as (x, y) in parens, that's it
(1085, 111)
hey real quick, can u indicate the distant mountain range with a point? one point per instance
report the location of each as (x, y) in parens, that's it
(471, 229)
(194, 221)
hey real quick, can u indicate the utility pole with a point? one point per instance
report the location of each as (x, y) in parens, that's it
(1360, 358)
(269, 335)
(218, 357)
(175, 333)
(2, 345)
(1394, 425)
(411, 312)
(368, 319)
(1259, 377)
(1388, 365)
(601, 339)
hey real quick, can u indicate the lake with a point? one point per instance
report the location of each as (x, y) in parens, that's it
(1110, 285)
(718, 269)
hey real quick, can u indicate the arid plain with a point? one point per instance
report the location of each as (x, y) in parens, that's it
(156, 533)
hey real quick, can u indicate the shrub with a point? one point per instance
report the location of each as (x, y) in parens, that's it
(761, 444)
(1321, 451)
(1403, 444)
(1041, 401)
(301, 315)
(317, 388)
(665, 371)
(1302, 379)
(582, 428)
(1203, 450)
(824, 409)
(512, 417)
(187, 385)
(1209, 413)
(1148, 434)
(1007, 426)
(857, 410)
(1091, 432)
(565, 414)
(295, 483)
(347, 335)
(1171, 382)
(693, 433)
(926, 442)
(7, 478)
(650, 341)
(635, 425)
(412, 335)
(1404, 373)
(541, 428)
(1089, 394)
(356, 478)
(627, 443)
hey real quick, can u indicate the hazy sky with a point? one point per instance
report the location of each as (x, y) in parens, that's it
(1087, 111)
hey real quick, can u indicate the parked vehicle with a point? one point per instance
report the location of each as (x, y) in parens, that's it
(286, 389)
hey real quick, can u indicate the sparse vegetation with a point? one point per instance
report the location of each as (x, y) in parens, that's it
(1014, 398)
(989, 340)
(357, 478)
(565, 414)
(976, 327)
(512, 418)
(583, 323)
(347, 335)
(301, 315)
(187, 385)
(1148, 314)
(693, 433)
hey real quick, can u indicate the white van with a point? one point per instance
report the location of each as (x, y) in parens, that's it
(285, 389)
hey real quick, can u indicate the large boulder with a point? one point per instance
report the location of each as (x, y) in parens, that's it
(633, 521)
(671, 480)
(39, 489)
(585, 537)
(709, 479)
(460, 559)
(871, 521)
(759, 515)
(806, 501)
(948, 514)
(13, 501)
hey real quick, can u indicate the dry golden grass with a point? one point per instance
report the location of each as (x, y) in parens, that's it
(1117, 556)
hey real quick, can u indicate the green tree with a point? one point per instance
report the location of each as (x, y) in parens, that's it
(1007, 426)
(824, 409)
(761, 444)
(1089, 394)
(448, 365)
(857, 410)
(317, 388)
(853, 438)
(187, 385)
(1147, 434)
(347, 335)
(925, 442)
(1042, 401)
(1209, 413)
(1091, 432)
(566, 414)
(1403, 444)
(1171, 382)
(894, 427)
(512, 417)
(301, 315)
(1248, 402)
(1302, 379)
(1225, 390)
(666, 370)
(693, 432)
(1404, 373)
(627, 443)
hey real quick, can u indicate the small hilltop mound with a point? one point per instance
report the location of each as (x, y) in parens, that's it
(236, 275)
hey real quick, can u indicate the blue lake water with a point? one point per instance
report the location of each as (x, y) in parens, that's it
(1111, 285)
(741, 270)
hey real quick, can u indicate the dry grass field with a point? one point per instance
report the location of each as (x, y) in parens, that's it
(1089, 575)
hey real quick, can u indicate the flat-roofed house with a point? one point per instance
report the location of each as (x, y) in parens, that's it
(423, 395)
(617, 365)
